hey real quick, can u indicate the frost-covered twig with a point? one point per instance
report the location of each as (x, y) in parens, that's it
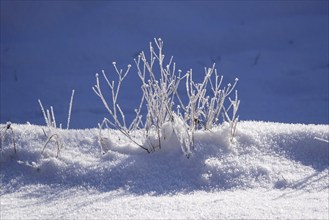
(59, 145)
(121, 126)
(321, 139)
(50, 120)
(70, 110)
(49, 115)
(105, 122)
(233, 120)
(114, 93)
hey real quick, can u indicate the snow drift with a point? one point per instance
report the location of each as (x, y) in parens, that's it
(269, 155)
(263, 157)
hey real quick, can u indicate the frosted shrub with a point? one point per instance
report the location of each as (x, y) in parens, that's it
(50, 120)
(203, 111)
(160, 82)
(116, 122)
(159, 86)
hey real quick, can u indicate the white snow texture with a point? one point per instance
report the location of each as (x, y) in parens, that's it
(270, 170)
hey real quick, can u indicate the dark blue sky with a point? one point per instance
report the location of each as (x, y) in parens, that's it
(278, 49)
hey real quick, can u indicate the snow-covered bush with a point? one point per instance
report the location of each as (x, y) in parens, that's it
(159, 83)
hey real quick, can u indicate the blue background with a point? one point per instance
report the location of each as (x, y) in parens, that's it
(278, 50)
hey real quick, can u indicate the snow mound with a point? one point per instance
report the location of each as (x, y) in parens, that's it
(267, 155)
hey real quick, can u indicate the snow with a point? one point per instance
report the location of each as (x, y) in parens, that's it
(270, 170)
(251, 204)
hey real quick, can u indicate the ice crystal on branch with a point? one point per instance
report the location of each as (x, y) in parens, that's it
(159, 83)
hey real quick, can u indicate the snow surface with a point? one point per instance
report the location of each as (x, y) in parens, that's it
(270, 170)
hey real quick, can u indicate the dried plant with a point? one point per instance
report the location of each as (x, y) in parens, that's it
(160, 82)
(50, 120)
